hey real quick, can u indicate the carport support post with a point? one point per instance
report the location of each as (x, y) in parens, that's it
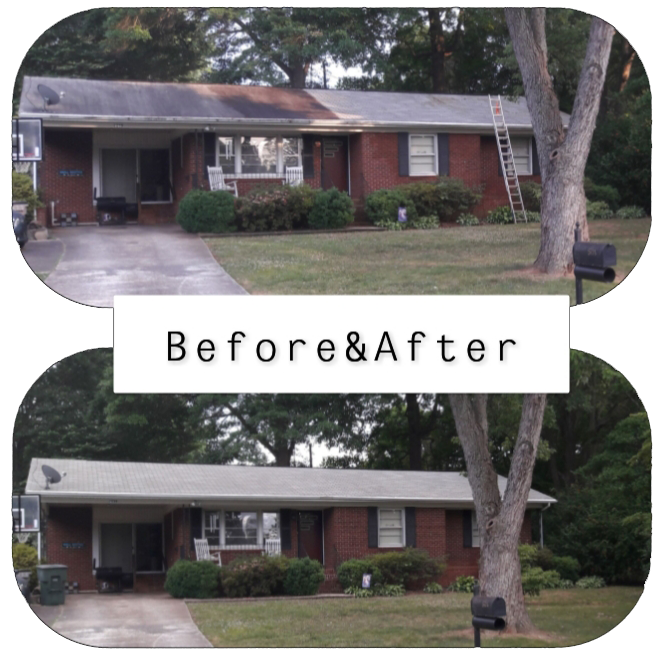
(578, 280)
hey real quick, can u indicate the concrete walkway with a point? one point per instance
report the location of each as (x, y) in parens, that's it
(98, 263)
(124, 621)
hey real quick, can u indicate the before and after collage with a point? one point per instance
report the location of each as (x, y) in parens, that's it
(332, 327)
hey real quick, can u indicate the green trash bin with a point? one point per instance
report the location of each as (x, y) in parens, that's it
(52, 579)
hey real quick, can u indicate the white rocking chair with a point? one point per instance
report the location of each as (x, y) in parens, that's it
(293, 176)
(217, 182)
(203, 552)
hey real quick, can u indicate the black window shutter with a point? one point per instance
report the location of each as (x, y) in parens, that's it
(196, 525)
(308, 156)
(467, 532)
(403, 153)
(534, 157)
(372, 527)
(410, 515)
(208, 152)
(285, 528)
(444, 154)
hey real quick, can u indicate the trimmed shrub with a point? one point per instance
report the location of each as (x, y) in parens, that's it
(332, 209)
(405, 567)
(528, 555)
(468, 220)
(631, 213)
(195, 579)
(303, 577)
(590, 582)
(22, 190)
(24, 557)
(533, 216)
(567, 566)
(500, 215)
(598, 210)
(433, 588)
(535, 579)
(532, 193)
(254, 576)
(382, 206)
(276, 208)
(463, 585)
(426, 223)
(610, 195)
(357, 591)
(389, 590)
(455, 197)
(566, 584)
(350, 573)
(207, 212)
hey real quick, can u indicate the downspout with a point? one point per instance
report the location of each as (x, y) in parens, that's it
(542, 510)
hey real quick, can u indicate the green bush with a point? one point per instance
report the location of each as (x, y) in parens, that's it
(567, 566)
(606, 193)
(468, 220)
(426, 222)
(566, 584)
(255, 576)
(433, 588)
(357, 591)
(207, 212)
(350, 573)
(535, 579)
(500, 215)
(532, 193)
(404, 567)
(463, 585)
(332, 209)
(389, 590)
(24, 557)
(631, 213)
(303, 577)
(276, 208)
(453, 198)
(22, 190)
(533, 216)
(382, 206)
(598, 210)
(195, 579)
(528, 555)
(590, 582)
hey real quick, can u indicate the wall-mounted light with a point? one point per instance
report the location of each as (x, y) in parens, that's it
(317, 144)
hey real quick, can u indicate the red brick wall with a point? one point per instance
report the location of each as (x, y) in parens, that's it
(66, 149)
(71, 524)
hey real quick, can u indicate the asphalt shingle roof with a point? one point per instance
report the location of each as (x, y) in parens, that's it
(110, 480)
(123, 100)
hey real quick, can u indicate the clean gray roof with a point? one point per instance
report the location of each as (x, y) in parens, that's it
(153, 481)
(150, 102)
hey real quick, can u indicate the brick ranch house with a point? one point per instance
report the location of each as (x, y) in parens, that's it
(152, 142)
(144, 517)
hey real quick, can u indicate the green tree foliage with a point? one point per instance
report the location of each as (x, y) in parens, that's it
(604, 518)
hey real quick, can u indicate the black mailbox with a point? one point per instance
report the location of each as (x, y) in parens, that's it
(594, 260)
(488, 613)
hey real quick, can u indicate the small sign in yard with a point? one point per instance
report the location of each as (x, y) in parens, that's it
(367, 580)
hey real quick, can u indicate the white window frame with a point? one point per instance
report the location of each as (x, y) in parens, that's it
(222, 527)
(529, 140)
(237, 150)
(403, 541)
(475, 531)
(436, 153)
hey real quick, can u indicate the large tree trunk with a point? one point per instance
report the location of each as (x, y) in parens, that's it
(415, 432)
(500, 520)
(562, 156)
(283, 456)
(437, 40)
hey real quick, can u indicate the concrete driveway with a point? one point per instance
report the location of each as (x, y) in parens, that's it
(100, 262)
(124, 621)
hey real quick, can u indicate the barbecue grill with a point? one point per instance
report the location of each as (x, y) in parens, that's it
(109, 579)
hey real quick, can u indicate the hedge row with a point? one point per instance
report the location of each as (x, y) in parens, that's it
(275, 208)
(253, 576)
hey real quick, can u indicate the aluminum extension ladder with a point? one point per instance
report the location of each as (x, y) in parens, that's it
(507, 160)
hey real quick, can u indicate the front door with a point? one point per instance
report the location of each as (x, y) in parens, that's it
(334, 163)
(310, 535)
(116, 547)
(119, 174)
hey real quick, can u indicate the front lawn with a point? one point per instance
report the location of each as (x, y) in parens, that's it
(455, 260)
(563, 618)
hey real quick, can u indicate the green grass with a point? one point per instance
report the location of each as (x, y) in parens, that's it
(563, 618)
(454, 260)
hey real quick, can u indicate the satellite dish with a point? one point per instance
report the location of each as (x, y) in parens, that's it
(50, 96)
(52, 476)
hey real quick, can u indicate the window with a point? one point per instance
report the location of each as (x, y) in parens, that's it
(211, 527)
(155, 175)
(522, 155)
(227, 155)
(291, 152)
(422, 155)
(240, 529)
(475, 533)
(258, 155)
(391, 528)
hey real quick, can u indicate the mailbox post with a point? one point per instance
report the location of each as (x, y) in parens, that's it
(592, 261)
(488, 613)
